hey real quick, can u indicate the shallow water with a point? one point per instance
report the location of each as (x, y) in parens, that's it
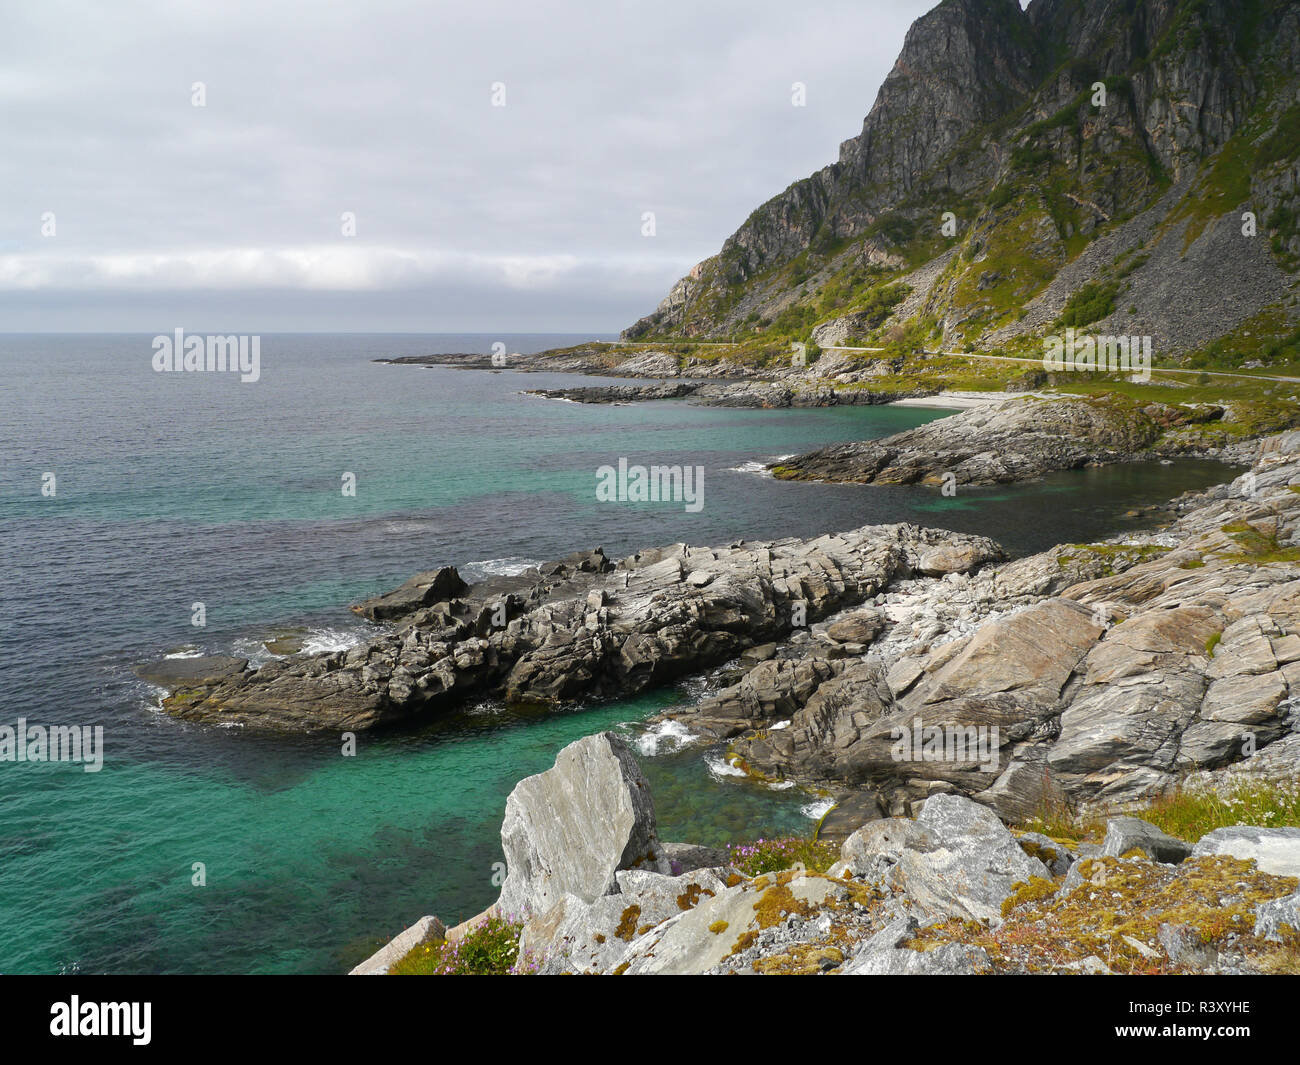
(184, 488)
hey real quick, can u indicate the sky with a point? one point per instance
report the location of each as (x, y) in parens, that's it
(235, 166)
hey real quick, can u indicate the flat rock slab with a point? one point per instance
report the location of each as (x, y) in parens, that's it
(1274, 850)
(198, 671)
(699, 939)
(951, 959)
(425, 930)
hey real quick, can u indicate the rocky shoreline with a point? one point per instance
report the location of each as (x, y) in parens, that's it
(1101, 672)
(592, 890)
(1094, 677)
(1016, 437)
(835, 379)
(1016, 440)
(1107, 672)
(581, 627)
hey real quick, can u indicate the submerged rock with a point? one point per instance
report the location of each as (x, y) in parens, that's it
(194, 671)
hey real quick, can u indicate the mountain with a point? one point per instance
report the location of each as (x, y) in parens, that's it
(1132, 166)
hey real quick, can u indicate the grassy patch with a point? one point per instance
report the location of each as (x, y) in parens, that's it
(1090, 303)
(774, 855)
(490, 948)
(1257, 547)
(1190, 814)
(1037, 888)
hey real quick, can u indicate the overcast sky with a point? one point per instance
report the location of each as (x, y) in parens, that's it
(468, 216)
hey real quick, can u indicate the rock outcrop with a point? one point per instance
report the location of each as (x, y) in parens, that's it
(1094, 675)
(569, 831)
(1274, 850)
(952, 892)
(1015, 440)
(886, 665)
(956, 860)
(580, 627)
(427, 929)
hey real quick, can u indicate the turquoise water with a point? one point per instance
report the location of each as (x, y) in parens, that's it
(181, 488)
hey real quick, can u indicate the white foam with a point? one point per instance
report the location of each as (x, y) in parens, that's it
(153, 699)
(719, 768)
(195, 653)
(326, 641)
(815, 811)
(504, 567)
(319, 641)
(665, 736)
(781, 785)
(409, 526)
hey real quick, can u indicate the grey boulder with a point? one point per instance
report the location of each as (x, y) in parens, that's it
(956, 859)
(1123, 834)
(1278, 916)
(569, 830)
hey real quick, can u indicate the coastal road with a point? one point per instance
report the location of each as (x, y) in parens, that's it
(972, 355)
(1039, 362)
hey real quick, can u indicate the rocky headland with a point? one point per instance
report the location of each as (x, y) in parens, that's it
(716, 380)
(1017, 440)
(1108, 671)
(578, 628)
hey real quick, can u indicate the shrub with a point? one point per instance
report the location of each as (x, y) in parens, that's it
(1090, 303)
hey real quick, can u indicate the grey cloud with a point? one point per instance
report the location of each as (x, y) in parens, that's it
(530, 212)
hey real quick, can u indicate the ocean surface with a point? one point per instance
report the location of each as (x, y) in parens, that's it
(172, 489)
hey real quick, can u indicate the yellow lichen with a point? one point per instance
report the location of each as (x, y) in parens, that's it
(627, 923)
(1122, 903)
(1037, 888)
(778, 903)
(803, 959)
(690, 898)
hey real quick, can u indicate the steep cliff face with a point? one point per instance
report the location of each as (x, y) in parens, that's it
(1085, 157)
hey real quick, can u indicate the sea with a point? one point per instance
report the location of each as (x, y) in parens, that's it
(131, 497)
